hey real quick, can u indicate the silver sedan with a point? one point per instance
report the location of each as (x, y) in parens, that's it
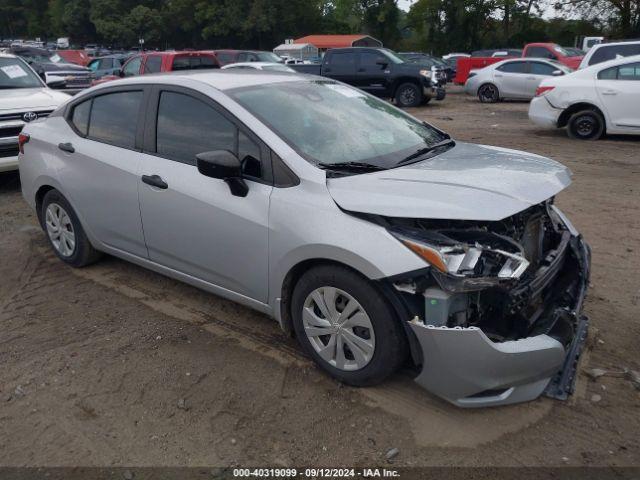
(374, 237)
(515, 79)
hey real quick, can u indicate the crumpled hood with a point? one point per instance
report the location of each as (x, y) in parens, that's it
(24, 99)
(467, 182)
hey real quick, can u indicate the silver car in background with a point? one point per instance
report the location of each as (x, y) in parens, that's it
(374, 237)
(515, 79)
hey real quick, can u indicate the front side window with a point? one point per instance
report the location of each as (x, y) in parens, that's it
(630, 71)
(512, 67)
(93, 65)
(15, 73)
(369, 60)
(539, 68)
(187, 126)
(268, 57)
(539, 52)
(153, 64)
(114, 117)
(132, 67)
(326, 122)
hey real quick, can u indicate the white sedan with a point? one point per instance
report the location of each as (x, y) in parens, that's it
(514, 78)
(24, 97)
(603, 98)
(269, 66)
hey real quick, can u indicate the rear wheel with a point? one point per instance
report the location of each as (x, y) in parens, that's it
(64, 231)
(345, 325)
(586, 125)
(488, 93)
(408, 95)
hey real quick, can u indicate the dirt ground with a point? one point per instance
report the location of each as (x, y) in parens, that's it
(115, 365)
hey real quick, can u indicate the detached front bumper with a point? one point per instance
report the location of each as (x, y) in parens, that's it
(466, 368)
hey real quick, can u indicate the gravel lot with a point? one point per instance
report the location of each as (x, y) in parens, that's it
(115, 365)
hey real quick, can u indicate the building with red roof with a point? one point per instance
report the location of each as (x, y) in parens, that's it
(325, 42)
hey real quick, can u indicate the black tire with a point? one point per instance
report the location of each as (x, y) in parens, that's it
(426, 100)
(408, 95)
(586, 125)
(390, 340)
(83, 252)
(488, 93)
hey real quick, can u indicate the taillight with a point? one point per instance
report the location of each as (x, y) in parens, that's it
(22, 139)
(543, 90)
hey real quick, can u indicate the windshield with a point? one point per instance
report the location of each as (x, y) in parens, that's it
(561, 51)
(329, 123)
(393, 56)
(269, 57)
(14, 73)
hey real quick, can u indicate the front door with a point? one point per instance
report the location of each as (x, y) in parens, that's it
(511, 79)
(192, 223)
(373, 73)
(538, 71)
(619, 92)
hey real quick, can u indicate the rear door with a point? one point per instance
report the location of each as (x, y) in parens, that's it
(619, 91)
(102, 172)
(511, 79)
(341, 66)
(195, 225)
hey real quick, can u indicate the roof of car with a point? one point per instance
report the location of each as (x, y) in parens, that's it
(219, 79)
(251, 65)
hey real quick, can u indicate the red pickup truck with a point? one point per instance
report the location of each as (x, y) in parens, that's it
(538, 50)
(155, 62)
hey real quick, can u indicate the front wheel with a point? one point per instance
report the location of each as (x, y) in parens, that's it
(488, 93)
(345, 325)
(408, 95)
(585, 125)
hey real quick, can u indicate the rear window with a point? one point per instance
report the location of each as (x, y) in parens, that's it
(194, 62)
(114, 117)
(610, 52)
(80, 116)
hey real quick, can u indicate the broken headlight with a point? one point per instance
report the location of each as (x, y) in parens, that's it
(466, 259)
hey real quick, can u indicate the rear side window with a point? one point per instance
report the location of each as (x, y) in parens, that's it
(512, 67)
(114, 117)
(80, 116)
(186, 126)
(153, 64)
(342, 59)
(630, 71)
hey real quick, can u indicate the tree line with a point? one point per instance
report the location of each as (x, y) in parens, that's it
(438, 26)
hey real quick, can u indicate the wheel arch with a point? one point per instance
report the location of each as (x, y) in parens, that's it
(385, 289)
(564, 117)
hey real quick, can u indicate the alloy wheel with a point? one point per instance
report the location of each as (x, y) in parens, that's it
(338, 328)
(60, 230)
(407, 96)
(585, 126)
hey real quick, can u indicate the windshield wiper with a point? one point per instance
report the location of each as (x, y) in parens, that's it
(350, 166)
(423, 151)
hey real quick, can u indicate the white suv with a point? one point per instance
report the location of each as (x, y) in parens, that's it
(604, 52)
(24, 97)
(600, 99)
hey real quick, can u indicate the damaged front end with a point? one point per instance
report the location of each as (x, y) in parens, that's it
(496, 316)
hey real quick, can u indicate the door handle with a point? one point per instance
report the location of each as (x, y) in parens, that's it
(66, 147)
(155, 181)
(531, 78)
(361, 70)
(498, 75)
(610, 92)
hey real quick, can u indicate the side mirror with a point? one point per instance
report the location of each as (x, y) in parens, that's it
(121, 73)
(224, 165)
(557, 73)
(56, 83)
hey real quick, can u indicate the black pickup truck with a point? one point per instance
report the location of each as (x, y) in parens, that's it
(380, 72)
